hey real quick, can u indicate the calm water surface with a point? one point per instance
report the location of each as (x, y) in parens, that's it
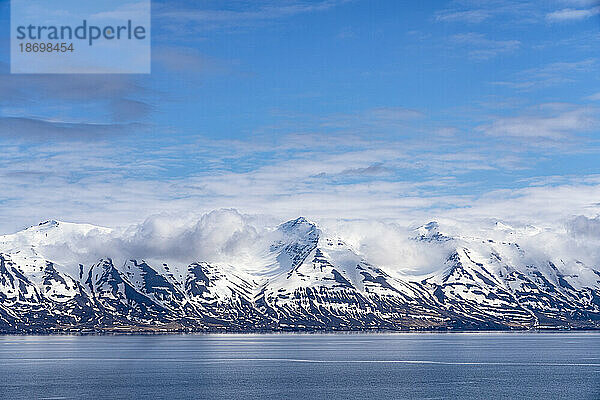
(336, 366)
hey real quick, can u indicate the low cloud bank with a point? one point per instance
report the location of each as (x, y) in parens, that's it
(229, 237)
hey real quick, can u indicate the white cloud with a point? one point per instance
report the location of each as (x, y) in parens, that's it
(572, 14)
(584, 226)
(470, 16)
(401, 174)
(390, 246)
(228, 237)
(594, 97)
(580, 3)
(549, 121)
(220, 236)
(543, 205)
(322, 177)
(516, 11)
(476, 12)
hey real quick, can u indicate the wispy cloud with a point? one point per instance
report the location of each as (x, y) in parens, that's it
(324, 176)
(250, 14)
(584, 226)
(79, 97)
(374, 122)
(470, 16)
(572, 14)
(477, 12)
(552, 74)
(545, 205)
(187, 59)
(479, 47)
(594, 97)
(547, 121)
(379, 117)
(517, 11)
(39, 129)
(15, 88)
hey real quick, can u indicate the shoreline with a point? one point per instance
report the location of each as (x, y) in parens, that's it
(299, 332)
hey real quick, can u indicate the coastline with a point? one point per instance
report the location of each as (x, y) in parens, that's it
(117, 332)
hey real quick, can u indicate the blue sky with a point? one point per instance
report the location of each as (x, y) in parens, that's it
(393, 110)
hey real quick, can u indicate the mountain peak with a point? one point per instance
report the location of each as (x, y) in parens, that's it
(298, 225)
(298, 221)
(49, 223)
(431, 232)
(432, 225)
(428, 229)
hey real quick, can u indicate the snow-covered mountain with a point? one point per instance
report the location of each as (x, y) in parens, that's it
(302, 279)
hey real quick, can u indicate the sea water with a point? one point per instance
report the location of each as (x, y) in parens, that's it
(302, 366)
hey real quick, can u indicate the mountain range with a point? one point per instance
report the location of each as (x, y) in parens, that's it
(305, 280)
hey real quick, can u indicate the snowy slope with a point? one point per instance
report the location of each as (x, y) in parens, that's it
(498, 280)
(62, 276)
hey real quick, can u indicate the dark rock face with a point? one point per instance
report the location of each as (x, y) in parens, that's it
(321, 284)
